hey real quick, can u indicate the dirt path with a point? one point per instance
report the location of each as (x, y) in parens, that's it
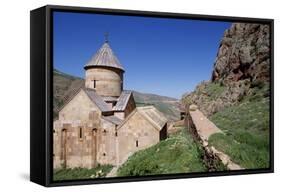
(113, 172)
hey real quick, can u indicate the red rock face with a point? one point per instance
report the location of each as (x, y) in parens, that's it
(243, 60)
(244, 53)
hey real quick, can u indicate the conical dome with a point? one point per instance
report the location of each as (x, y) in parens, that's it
(104, 57)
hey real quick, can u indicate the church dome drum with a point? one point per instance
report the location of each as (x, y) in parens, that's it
(104, 73)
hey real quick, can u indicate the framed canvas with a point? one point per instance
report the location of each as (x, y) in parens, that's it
(123, 95)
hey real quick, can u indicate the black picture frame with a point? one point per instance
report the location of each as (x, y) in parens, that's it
(41, 56)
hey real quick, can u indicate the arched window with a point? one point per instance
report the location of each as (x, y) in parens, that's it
(137, 143)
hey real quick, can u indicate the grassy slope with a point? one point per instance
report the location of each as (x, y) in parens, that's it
(82, 173)
(177, 154)
(246, 130)
(214, 90)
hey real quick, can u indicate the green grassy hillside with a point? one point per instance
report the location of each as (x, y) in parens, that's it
(167, 105)
(246, 129)
(177, 154)
(82, 173)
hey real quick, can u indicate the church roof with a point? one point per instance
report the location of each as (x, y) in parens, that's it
(109, 98)
(113, 119)
(104, 57)
(97, 100)
(122, 101)
(94, 97)
(153, 115)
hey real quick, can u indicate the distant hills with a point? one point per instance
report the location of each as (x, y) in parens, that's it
(167, 105)
(65, 86)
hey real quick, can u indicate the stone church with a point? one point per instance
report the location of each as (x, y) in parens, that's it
(101, 124)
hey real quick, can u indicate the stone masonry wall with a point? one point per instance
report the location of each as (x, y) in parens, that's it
(74, 144)
(75, 133)
(136, 134)
(201, 128)
(106, 152)
(79, 108)
(109, 82)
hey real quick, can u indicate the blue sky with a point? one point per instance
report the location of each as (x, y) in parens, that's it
(162, 56)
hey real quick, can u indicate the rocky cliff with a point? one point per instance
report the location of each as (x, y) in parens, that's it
(241, 65)
(243, 54)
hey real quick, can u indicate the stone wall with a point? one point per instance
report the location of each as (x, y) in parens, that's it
(75, 133)
(79, 144)
(201, 128)
(136, 134)
(120, 114)
(107, 143)
(109, 82)
(57, 156)
(130, 106)
(74, 144)
(83, 139)
(79, 108)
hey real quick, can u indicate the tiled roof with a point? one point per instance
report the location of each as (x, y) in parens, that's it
(109, 98)
(113, 119)
(104, 57)
(122, 101)
(97, 100)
